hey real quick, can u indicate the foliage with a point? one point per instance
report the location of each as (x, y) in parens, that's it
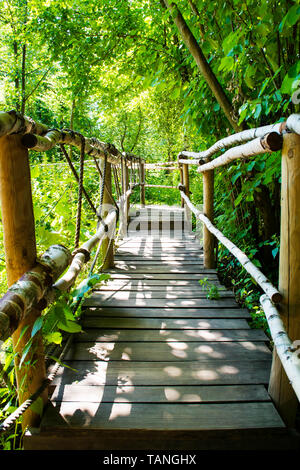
(211, 289)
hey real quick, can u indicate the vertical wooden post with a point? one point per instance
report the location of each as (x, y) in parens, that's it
(208, 210)
(127, 186)
(123, 208)
(186, 183)
(289, 277)
(181, 180)
(107, 247)
(20, 256)
(142, 183)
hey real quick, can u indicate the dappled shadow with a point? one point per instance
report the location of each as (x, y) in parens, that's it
(147, 358)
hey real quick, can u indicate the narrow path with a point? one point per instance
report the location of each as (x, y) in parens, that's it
(160, 366)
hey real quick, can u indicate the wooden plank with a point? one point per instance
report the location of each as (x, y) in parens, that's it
(169, 324)
(164, 248)
(172, 351)
(136, 312)
(106, 292)
(160, 394)
(210, 372)
(110, 335)
(153, 285)
(159, 242)
(149, 263)
(158, 269)
(174, 416)
(161, 245)
(122, 274)
(100, 299)
(159, 257)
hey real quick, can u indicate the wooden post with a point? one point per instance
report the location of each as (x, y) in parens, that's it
(181, 179)
(127, 186)
(186, 184)
(289, 269)
(123, 214)
(208, 211)
(107, 247)
(142, 183)
(20, 256)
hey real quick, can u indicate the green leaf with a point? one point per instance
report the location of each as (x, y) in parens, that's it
(70, 326)
(232, 40)
(37, 406)
(251, 166)
(226, 64)
(290, 18)
(236, 176)
(25, 352)
(55, 337)
(257, 111)
(289, 79)
(37, 326)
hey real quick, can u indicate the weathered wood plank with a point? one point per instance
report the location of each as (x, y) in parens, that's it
(122, 274)
(110, 335)
(137, 312)
(161, 286)
(107, 292)
(159, 262)
(210, 372)
(197, 259)
(160, 394)
(101, 298)
(169, 324)
(158, 269)
(172, 351)
(153, 264)
(160, 416)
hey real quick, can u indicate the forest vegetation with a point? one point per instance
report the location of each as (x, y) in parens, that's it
(155, 78)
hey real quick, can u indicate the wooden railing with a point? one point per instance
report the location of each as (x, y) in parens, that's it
(35, 283)
(282, 305)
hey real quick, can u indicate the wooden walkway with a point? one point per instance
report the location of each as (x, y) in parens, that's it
(160, 366)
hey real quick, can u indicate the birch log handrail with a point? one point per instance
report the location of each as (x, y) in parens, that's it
(39, 137)
(36, 284)
(31, 288)
(267, 144)
(238, 138)
(288, 354)
(58, 269)
(257, 275)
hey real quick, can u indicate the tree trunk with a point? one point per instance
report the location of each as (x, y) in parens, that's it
(202, 64)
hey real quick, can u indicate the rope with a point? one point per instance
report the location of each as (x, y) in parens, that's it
(77, 177)
(11, 419)
(116, 181)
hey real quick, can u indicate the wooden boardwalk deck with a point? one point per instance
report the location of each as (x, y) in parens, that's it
(160, 366)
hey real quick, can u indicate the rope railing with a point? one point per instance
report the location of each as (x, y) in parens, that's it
(288, 354)
(247, 264)
(279, 304)
(57, 270)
